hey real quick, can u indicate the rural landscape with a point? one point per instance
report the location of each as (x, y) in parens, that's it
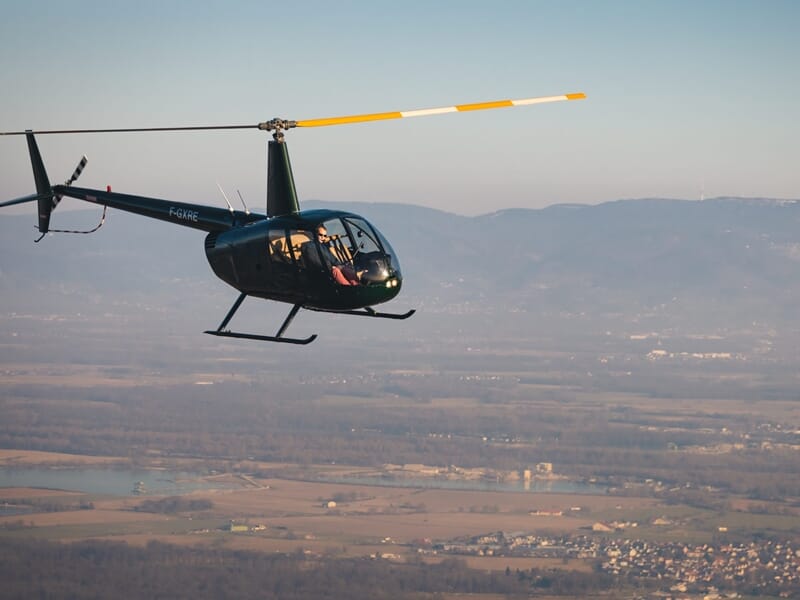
(420, 301)
(591, 402)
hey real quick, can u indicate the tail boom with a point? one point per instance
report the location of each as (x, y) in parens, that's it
(196, 216)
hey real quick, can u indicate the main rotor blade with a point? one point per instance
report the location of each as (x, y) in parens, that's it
(281, 124)
(436, 111)
(129, 129)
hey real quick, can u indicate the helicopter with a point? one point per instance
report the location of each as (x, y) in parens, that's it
(322, 260)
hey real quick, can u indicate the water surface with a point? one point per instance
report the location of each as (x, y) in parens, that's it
(115, 482)
(556, 486)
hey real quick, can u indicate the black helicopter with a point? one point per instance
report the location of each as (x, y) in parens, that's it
(322, 260)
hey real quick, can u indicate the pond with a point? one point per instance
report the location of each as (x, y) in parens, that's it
(130, 482)
(115, 482)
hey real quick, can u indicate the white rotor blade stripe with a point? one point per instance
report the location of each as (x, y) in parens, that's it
(428, 111)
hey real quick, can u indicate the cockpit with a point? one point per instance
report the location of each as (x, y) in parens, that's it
(355, 253)
(319, 259)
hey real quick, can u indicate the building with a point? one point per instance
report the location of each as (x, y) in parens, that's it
(235, 527)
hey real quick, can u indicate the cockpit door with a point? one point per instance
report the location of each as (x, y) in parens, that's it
(372, 255)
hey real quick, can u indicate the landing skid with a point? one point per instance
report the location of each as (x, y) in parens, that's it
(278, 337)
(366, 312)
(263, 338)
(222, 332)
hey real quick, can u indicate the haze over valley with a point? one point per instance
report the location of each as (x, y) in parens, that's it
(643, 352)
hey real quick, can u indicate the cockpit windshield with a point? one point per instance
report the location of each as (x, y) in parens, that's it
(357, 250)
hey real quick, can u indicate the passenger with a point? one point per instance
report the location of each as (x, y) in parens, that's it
(343, 274)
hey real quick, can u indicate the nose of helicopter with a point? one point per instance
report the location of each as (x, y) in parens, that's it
(382, 272)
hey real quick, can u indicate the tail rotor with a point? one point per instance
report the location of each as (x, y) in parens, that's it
(45, 197)
(73, 178)
(77, 172)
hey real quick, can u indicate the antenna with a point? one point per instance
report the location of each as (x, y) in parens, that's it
(246, 210)
(221, 191)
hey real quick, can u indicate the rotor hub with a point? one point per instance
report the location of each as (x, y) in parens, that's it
(277, 127)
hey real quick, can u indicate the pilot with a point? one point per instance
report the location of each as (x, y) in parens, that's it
(343, 274)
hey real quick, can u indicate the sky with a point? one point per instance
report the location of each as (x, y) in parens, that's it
(685, 99)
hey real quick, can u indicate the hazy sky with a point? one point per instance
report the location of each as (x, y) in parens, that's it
(684, 98)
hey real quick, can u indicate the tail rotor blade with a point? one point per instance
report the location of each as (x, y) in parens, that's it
(73, 178)
(77, 172)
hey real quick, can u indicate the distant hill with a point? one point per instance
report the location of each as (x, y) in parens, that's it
(724, 254)
(719, 259)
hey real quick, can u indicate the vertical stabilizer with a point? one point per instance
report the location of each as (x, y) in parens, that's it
(43, 189)
(281, 194)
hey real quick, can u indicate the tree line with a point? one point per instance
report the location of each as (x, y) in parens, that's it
(98, 569)
(306, 424)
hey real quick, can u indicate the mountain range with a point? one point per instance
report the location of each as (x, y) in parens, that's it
(723, 259)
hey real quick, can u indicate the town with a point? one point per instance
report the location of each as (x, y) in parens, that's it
(721, 568)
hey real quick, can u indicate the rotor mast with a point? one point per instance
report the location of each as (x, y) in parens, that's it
(281, 192)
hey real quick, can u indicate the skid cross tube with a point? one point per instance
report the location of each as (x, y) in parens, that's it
(222, 332)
